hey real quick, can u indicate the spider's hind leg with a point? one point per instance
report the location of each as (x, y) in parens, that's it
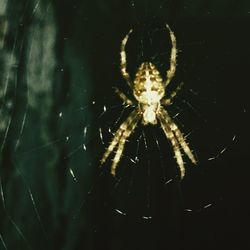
(179, 136)
(176, 147)
(119, 139)
(121, 145)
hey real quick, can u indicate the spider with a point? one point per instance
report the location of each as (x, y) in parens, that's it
(150, 101)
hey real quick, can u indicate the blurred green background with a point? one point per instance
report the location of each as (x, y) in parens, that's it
(59, 62)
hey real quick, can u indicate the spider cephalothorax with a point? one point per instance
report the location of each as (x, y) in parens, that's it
(149, 92)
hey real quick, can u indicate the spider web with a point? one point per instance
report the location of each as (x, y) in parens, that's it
(59, 112)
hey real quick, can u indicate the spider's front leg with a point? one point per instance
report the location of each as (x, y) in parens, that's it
(124, 72)
(173, 56)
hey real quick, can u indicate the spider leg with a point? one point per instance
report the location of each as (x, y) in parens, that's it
(179, 136)
(119, 134)
(121, 144)
(171, 71)
(123, 97)
(168, 101)
(176, 147)
(124, 72)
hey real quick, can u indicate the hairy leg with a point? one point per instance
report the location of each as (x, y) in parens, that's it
(119, 134)
(173, 56)
(123, 97)
(121, 144)
(171, 137)
(124, 72)
(179, 136)
(168, 101)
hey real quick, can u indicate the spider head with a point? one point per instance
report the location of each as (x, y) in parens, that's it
(148, 90)
(148, 85)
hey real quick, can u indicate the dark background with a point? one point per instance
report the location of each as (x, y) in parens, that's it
(59, 63)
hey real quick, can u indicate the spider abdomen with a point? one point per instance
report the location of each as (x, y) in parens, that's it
(149, 113)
